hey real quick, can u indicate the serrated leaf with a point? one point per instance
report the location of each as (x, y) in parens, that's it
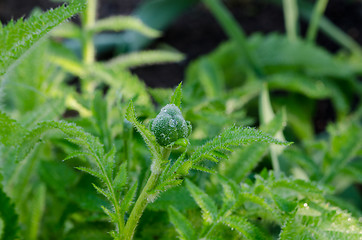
(17, 37)
(259, 203)
(100, 114)
(10, 130)
(121, 23)
(166, 185)
(121, 178)
(246, 159)
(203, 169)
(76, 154)
(207, 205)
(75, 134)
(109, 162)
(233, 136)
(92, 172)
(146, 134)
(102, 191)
(284, 204)
(110, 214)
(345, 144)
(181, 223)
(128, 198)
(299, 186)
(177, 96)
(243, 226)
(10, 218)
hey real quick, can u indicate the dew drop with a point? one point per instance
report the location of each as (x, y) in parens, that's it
(171, 123)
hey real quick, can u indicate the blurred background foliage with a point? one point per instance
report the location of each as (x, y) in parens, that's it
(245, 63)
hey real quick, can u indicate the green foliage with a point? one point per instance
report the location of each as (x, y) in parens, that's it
(10, 130)
(143, 58)
(234, 136)
(207, 205)
(297, 206)
(17, 37)
(121, 23)
(181, 224)
(215, 182)
(9, 217)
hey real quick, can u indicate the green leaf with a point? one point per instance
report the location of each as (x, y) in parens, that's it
(345, 144)
(121, 23)
(146, 134)
(275, 53)
(67, 30)
(103, 191)
(10, 130)
(181, 223)
(100, 114)
(75, 134)
(211, 78)
(17, 37)
(109, 162)
(207, 205)
(233, 136)
(299, 186)
(128, 198)
(292, 230)
(178, 197)
(142, 58)
(77, 154)
(9, 217)
(258, 203)
(58, 177)
(121, 178)
(92, 172)
(243, 226)
(35, 218)
(177, 96)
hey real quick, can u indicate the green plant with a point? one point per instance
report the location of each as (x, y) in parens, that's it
(222, 180)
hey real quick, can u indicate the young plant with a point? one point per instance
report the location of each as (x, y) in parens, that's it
(169, 129)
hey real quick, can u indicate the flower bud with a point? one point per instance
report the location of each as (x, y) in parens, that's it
(169, 125)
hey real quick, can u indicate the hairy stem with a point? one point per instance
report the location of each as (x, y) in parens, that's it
(290, 9)
(318, 11)
(143, 199)
(266, 114)
(108, 182)
(88, 21)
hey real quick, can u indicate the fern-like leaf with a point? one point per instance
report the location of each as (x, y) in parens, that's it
(17, 37)
(92, 172)
(233, 136)
(243, 226)
(10, 130)
(9, 217)
(207, 205)
(146, 134)
(121, 178)
(182, 224)
(128, 198)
